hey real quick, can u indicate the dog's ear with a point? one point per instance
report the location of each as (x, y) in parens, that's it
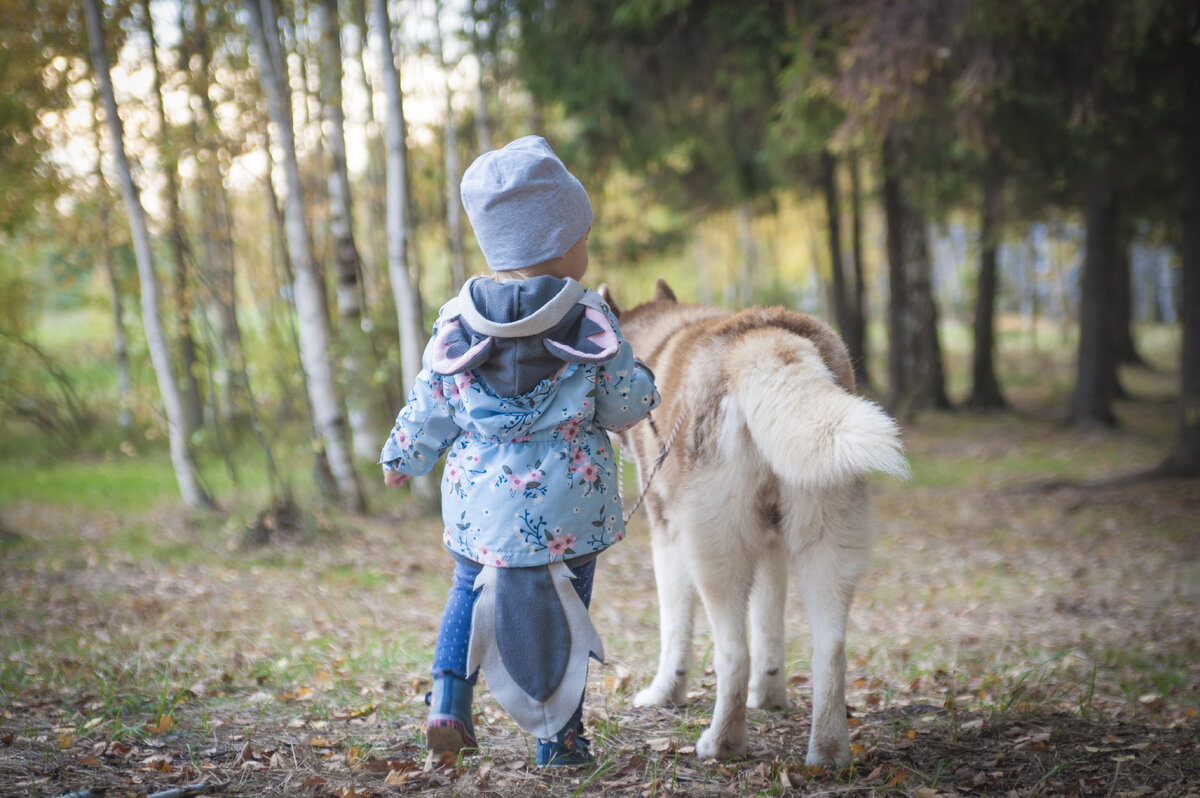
(607, 296)
(663, 292)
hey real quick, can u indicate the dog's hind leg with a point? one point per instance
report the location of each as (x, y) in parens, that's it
(830, 562)
(676, 611)
(768, 672)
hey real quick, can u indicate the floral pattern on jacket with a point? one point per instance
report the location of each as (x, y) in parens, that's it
(528, 479)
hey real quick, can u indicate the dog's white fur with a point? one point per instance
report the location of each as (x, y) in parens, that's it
(768, 469)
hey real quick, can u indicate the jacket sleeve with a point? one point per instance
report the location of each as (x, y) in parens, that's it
(625, 392)
(424, 429)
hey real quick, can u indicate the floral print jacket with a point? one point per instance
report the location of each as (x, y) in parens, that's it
(528, 479)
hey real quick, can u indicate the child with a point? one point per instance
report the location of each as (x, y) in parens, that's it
(524, 373)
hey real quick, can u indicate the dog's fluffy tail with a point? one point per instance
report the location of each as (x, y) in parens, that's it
(812, 432)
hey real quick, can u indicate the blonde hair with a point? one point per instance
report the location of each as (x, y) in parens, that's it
(528, 272)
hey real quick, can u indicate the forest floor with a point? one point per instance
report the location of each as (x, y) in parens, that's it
(1027, 627)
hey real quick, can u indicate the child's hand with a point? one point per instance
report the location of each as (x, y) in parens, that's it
(394, 479)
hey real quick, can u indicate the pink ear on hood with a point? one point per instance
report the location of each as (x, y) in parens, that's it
(453, 352)
(600, 343)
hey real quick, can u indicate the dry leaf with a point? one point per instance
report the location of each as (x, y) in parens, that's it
(89, 760)
(395, 778)
(659, 744)
(165, 724)
(857, 749)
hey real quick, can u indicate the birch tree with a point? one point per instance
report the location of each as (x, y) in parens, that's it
(181, 456)
(359, 408)
(454, 225)
(408, 305)
(193, 412)
(313, 331)
(211, 198)
(120, 339)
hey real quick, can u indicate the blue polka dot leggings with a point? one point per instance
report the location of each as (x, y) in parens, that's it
(450, 654)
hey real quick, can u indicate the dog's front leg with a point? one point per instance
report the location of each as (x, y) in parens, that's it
(676, 611)
(768, 674)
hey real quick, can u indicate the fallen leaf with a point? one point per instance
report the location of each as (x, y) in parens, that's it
(659, 744)
(853, 722)
(89, 760)
(898, 778)
(857, 749)
(395, 778)
(320, 742)
(165, 724)
(912, 734)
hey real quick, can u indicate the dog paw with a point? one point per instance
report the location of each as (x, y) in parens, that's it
(829, 752)
(654, 696)
(712, 746)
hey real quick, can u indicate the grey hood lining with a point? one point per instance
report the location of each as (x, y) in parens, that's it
(536, 323)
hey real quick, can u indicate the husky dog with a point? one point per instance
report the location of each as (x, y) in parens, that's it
(770, 447)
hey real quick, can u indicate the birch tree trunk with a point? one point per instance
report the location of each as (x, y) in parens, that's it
(373, 238)
(193, 406)
(483, 120)
(120, 339)
(216, 224)
(314, 331)
(354, 344)
(181, 456)
(408, 307)
(404, 287)
(458, 262)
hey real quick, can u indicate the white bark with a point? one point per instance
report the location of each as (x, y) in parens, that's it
(404, 290)
(408, 306)
(483, 124)
(313, 327)
(181, 456)
(458, 261)
(120, 344)
(364, 436)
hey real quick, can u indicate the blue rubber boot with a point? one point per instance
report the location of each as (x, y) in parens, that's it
(568, 748)
(449, 729)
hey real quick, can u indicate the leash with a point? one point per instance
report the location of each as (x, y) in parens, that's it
(663, 451)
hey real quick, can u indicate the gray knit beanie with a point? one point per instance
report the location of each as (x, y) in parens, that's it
(524, 205)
